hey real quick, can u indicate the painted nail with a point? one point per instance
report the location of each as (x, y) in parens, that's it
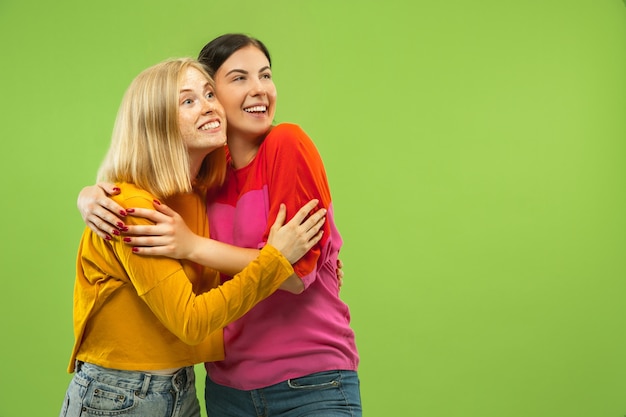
(122, 212)
(124, 229)
(157, 202)
(135, 250)
(126, 239)
(107, 237)
(120, 225)
(130, 210)
(116, 189)
(116, 232)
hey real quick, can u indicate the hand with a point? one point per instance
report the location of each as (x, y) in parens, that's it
(168, 236)
(339, 271)
(100, 212)
(295, 238)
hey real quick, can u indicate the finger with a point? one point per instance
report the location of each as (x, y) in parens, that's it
(339, 263)
(109, 188)
(149, 251)
(113, 209)
(99, 231)
(315, 219)
(149, 214)
(304, 211)
(280, 217)
(163, 208)
(146, 241)
(315, 239)
(103, 217)
(144, 230)
(103, 227)
(316, 227)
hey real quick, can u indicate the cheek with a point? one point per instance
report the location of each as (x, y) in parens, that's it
(184, 123)
(228, 103)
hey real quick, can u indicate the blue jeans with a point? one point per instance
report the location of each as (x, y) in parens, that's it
(97, 391)
(323, 394)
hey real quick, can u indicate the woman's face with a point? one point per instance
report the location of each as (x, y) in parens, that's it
(200, 114)
(245, 88)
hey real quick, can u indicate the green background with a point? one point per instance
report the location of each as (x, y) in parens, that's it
(476, 154)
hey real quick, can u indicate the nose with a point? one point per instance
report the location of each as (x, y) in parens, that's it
(257, 87)
(208, 106)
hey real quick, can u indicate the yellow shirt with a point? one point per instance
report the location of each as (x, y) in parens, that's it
(135, 312)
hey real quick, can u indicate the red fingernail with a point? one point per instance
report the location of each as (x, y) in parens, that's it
(157, 202)
(124, 229)
(116, 232)
(116, 189)
(126, 239)
(130, 210)
(107, 237)
(122, 212)
(120, 225)
(135, 250)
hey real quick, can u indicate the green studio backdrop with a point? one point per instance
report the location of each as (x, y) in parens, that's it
(476, 157)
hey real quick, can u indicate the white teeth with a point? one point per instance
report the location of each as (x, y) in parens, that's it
(210, 125)
(256, 109)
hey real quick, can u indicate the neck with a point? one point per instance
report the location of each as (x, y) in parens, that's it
(195, 162)
(243, 150)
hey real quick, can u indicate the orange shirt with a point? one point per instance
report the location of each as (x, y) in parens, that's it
(135, 312)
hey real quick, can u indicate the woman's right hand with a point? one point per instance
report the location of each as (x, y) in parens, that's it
(295, 238)
(99, 211)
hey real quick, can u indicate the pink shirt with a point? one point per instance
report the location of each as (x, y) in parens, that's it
(286, 335)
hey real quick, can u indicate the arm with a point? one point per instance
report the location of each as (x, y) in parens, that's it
(162, 283)
(171, 237)
(97, 210)
(192, 317)
(295, 173)
(167, 234)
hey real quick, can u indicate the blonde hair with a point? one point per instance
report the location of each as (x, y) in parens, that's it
(147, 148)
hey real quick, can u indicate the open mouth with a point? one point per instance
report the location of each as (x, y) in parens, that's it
(210, 125)
(255, 109)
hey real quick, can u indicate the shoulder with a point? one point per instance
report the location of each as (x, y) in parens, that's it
(132, 196)
(287, 130)
(287, 136)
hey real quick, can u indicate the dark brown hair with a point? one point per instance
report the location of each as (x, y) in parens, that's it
(221, 48)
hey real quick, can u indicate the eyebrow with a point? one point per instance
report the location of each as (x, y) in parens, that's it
(188, 90)
(265, 68)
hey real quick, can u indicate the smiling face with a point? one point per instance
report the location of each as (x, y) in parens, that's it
(245, 88)
(200, 115)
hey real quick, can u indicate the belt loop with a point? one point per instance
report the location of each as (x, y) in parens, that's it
(77, 365)
(180, 379)
(145, 385)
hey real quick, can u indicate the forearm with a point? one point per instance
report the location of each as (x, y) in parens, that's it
(192, 317)
(228, 259)
(231, 260)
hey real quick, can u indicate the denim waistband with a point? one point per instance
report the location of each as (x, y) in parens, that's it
(139, 381)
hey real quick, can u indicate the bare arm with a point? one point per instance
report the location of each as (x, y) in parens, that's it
(169, 236)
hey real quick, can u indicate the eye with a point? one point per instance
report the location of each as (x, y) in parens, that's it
(210, 95)
(187, 101)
